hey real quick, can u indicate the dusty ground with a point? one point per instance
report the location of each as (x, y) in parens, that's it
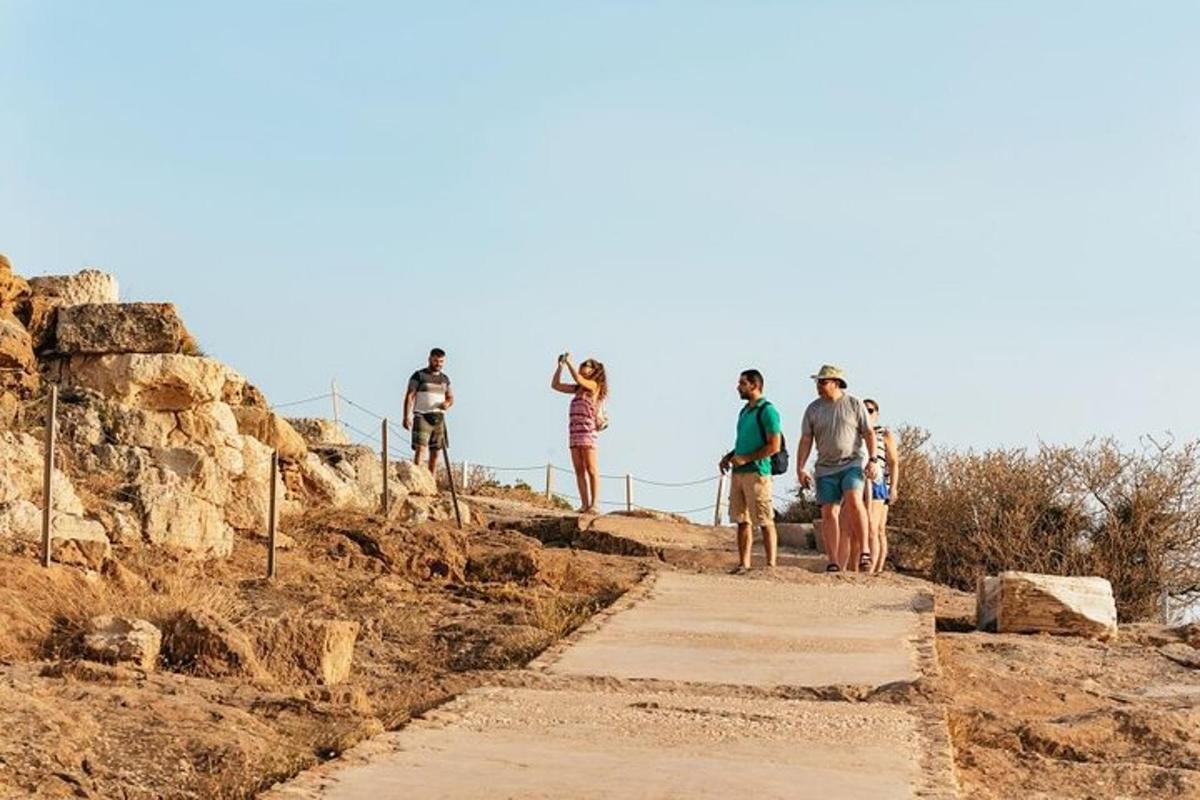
(439, 610)
(1042, 716)
(1030, 716)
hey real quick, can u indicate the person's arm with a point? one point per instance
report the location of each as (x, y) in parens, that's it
(449, 401)
(410, 397)
(802, 475)
(557, 384)
(774, 442)
(586, 383)
(871, 470)
(892, 454)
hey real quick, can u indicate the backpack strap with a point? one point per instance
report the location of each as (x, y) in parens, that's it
(762, 429)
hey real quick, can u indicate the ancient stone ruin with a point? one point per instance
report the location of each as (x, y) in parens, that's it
(159, 444)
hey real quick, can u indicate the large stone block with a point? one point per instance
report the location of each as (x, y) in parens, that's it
(174, 516)
(99, 328)
(157, 382)
(123, 640)
(1026, 602)
(87, 286)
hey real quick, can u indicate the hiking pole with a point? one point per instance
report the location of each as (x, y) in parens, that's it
(450, 470)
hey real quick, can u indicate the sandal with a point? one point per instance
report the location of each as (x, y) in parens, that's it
(864, 562)
(832, 568)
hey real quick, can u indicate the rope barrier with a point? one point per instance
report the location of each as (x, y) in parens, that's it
(291, 403)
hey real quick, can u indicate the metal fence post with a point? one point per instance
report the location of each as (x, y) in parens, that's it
(48, 473)
(720, 494)
(272, 516)
(384, 459)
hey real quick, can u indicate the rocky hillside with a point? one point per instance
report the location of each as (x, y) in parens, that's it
(159, 445)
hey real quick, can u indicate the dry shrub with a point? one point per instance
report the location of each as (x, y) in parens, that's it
(1132, 516)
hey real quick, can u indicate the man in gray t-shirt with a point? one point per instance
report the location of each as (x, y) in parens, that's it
(839, 426)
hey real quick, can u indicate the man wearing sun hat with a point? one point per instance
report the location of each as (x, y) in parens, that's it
(838, 424)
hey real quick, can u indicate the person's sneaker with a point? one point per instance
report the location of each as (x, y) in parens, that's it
(739, 570)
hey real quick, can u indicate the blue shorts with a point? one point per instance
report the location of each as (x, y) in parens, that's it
(879, 491)
(831, 488)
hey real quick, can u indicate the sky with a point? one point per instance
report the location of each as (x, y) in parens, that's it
(987, 213)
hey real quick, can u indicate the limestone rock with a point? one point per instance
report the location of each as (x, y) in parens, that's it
(317, 432)
(299, 650)
(87, 286)
(415, 480)
(1026, 602)
(99, 328)
(156, 382)
(123, 640)
(202, 643)
(248, 503)
(324, 485)
(174, 516)
(16, 346)
(12, 287)
(272, 430)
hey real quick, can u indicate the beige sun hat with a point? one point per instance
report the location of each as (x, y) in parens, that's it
(829, 371)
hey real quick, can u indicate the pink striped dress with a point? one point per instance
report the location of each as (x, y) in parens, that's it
(583, 419)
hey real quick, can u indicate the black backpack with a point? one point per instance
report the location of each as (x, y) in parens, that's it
(779, 461)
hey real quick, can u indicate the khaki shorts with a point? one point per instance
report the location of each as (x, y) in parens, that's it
(750, 498)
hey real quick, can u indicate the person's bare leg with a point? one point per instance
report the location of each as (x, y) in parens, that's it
(419, 454)
(883, 542)
(830, 533)
(770, 543)
(743, 537)
(873, 514)
(581, 483)
(592, 462)
(433, 459)
(857, 527)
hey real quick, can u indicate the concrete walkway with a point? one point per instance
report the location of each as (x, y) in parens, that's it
(694, 686)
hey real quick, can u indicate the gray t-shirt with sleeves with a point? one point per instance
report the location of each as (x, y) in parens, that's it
(430, 388)
(837, 427)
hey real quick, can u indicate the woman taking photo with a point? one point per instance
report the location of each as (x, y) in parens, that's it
(586, 419)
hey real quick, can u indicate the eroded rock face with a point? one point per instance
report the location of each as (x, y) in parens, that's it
(86, 286)
(123, 640)
(100, 328)
(1026, 602)
(318, 432)
(16, 346)
(155, 382)
(415, 480)
(272, 430)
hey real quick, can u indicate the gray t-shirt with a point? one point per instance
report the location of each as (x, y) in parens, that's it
(837, 427)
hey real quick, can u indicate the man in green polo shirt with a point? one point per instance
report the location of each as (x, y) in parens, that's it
(759, 436)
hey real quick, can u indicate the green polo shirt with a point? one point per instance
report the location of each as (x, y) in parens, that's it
(750, 436)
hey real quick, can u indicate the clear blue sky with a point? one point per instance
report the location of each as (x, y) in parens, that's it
(988, 213)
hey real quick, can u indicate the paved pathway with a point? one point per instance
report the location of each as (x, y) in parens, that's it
(694, 686)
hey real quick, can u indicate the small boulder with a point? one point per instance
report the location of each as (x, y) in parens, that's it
(272, 430)
(99, 328)
(1182, 654)
(1026, 602)
(123, 640)
(298, 650)
(317, 432)
(415, 480)
(16, 346)
(202, 643)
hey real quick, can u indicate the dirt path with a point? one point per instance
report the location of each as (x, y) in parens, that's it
(782, 684)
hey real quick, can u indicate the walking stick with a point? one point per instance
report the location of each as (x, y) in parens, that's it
(450, 470)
